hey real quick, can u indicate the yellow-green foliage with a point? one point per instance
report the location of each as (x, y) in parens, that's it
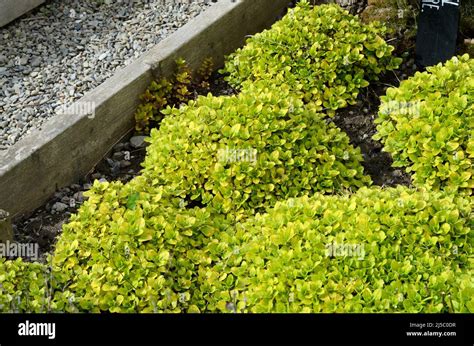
(378, 250)
(24, 286)
(182, 81)
(213, 224)
(173, 92)
(156, 97)
(250, 150)
(130, 250)
(325, 54)
(427, 124)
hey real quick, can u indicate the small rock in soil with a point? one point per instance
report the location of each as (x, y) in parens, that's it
(119, 146)
(397, 173)
(96, 175)
(118, 155)
(124, 164)
(138, 141)
(75, 187)
(59, 207)
(79, 197)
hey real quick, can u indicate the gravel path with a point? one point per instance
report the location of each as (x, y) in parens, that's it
(54, 55)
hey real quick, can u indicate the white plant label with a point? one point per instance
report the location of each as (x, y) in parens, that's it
(437, 4)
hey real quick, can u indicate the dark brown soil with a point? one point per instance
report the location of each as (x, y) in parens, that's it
(44, 224)
(358, 122)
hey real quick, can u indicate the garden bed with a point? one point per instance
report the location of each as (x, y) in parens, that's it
(262, 201)
(358, 122)
(43, 225)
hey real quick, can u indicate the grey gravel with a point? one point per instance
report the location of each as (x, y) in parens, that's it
(52, 56)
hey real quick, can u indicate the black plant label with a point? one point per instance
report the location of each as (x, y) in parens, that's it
(437, 31)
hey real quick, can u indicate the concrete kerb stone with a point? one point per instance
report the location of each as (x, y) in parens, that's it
(12, 9)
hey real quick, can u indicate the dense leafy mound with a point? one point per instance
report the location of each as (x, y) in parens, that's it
(127, 250)
(248, 151)
(23, 286)
(427, 125)
(130, 250)
(324, 54)
(375, 251)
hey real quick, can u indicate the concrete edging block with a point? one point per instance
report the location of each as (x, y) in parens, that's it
(12, 9)
(68, 146)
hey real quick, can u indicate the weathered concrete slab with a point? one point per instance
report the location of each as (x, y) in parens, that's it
(12, 9)
(68, 146)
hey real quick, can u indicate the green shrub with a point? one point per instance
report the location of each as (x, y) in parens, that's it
(130, 250)
(248, 151)
(23, 286)
(171, 91)
(155, 98)
(393, 250)
(138, 246)
(204, 73)
(427, 125)
(322, 52)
